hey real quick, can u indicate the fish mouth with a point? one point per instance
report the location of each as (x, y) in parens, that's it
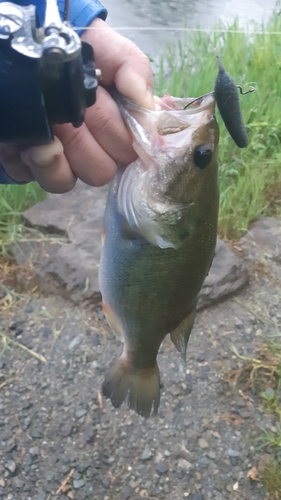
(171, 114)
(177, 114)
(190, 104)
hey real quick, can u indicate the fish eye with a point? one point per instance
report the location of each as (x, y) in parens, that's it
(202, 156)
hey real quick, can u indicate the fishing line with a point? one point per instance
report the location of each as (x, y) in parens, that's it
(202, 30)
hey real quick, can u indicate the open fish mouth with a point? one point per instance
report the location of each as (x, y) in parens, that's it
(170, 127)
(171, 114)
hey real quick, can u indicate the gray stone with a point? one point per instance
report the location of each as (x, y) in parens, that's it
(11, 466)
(34, 451)
(77, 475)
(238, 323)
(125, 493)
(26, 423)
(80, 413)
(41, 495)
(203, 462)
(18, 483)
(270, 393)
(36, 433)
(11, 446)
(74, 343)
(89, 435)
(184, 465)
(197, 496)
(162, 468)
(233, 453)
(146, 454)
(264, 237)
(106, 481)
(159, 457)
(134, 484)
(70, 266)
(202, 443)
(66, 430)
(227, 276)
(78, 483)
(233, 461)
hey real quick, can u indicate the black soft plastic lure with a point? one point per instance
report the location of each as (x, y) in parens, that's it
(227, 99)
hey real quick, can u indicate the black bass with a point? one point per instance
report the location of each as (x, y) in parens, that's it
(160, 231)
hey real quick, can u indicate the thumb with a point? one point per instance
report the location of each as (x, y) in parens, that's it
(132, 81)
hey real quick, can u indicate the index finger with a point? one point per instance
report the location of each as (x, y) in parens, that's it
(121, 62)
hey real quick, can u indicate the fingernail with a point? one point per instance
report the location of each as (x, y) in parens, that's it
(135, 88)
(150, 99)
(42, 155)
(143, 95)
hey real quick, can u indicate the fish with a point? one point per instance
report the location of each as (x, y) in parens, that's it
(228, 103)
(159, 237)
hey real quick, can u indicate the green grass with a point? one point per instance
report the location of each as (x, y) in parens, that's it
(264, 371)
(270, 470)
(271, 477)
(250, 179)
(13, 201)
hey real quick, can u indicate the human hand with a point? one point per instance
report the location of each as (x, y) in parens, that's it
(91, 152)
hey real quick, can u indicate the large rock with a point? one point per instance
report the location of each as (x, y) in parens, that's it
(227, 275)
(263, 238)
(72, 263)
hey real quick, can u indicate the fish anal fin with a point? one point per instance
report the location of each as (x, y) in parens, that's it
(141, 386)
(181, 334)
(112, 321)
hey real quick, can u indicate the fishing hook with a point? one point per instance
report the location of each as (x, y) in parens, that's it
(251, 89)
(198, 98)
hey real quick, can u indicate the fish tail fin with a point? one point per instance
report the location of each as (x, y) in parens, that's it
(141, 385)
(181, 334)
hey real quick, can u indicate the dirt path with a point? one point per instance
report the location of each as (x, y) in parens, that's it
(60, 440)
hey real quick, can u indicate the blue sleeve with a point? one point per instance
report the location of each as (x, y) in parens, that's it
(82, 13)
(6, 179)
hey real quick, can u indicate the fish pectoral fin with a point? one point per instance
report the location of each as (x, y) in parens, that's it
(141, 385)
(181, 334)
(112, 321)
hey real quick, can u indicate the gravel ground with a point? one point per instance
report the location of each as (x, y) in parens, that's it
(59, 439)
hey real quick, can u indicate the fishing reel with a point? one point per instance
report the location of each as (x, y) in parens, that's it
(48, 74)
